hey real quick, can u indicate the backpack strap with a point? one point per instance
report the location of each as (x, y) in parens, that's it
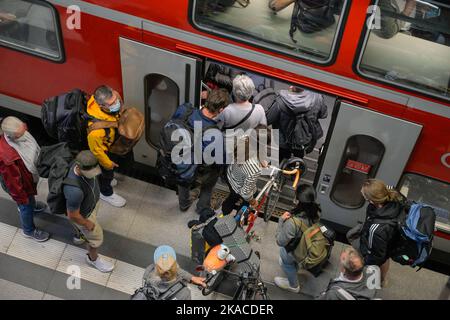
(344, 293)
(72, 182)
(100, 124)
(172, 290)
(242, 120)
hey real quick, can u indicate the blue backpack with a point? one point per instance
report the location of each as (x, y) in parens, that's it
(415, 239)
(182, 173)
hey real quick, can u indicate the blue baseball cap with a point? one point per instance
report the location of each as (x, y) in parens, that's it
(164, 257)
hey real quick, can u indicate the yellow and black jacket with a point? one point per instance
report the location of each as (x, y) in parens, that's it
(101, 140)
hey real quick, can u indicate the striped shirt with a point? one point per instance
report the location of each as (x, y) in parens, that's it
(243, 177)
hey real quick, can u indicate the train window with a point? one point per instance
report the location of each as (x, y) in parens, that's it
(161, 99)
(429, 191)
(360, 161)
(307, 28)
(408, 44)
(30, 26)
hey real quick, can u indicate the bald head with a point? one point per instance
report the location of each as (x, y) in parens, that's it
(352, 263)
(13, 127)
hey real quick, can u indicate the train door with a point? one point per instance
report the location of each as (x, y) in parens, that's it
(156, 81)
(361, 144)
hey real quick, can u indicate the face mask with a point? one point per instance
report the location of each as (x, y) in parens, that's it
(114, 108)
(23, 138)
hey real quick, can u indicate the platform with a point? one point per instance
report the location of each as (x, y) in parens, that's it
(31, 270)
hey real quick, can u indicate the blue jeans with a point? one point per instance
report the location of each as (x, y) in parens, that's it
(289, 266)
(26, 215)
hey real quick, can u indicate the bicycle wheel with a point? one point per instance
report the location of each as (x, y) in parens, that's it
(213, 283)
(272, 198)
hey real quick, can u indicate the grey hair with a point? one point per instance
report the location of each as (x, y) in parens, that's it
(102, 94)
(10, 125)
(86, 159)
(353, 263)
(243, 87)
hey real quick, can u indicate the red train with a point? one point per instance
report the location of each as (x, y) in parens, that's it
(385, 74)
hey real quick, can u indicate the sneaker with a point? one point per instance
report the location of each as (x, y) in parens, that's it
(38, 235)
(114, 183)
(40, 207)
(115, 200)
(100, 264)
(78, 240)
(283, 283)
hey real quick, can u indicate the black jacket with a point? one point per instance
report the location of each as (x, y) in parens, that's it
(379, 231)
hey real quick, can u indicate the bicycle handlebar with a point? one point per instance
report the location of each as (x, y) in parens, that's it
(297, 173)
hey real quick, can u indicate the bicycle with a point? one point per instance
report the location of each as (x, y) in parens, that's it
(270, 193)
(250, 287)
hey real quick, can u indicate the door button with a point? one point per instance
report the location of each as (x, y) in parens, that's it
(323, 188)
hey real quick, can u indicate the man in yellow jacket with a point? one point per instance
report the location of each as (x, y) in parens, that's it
(105, 105)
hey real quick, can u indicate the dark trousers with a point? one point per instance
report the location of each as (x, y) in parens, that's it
(230, 202)
(107, 176)
(104, 180)
(204, 184)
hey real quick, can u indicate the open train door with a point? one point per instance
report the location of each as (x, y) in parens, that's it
(361, 144)
(156, 81)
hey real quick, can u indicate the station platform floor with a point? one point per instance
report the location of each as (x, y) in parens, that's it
(31, 270)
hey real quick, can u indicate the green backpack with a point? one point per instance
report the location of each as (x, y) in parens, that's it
(313, 247)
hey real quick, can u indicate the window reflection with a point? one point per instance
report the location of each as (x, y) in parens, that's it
(307, 28)
(161, 96)
(409, 45)
(29, 26)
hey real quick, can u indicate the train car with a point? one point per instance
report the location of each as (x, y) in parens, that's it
(383, 66)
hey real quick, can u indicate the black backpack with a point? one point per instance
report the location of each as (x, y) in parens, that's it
(312, 15)
(64, 117)
(54, 163)
(183, 173)
(303, 130)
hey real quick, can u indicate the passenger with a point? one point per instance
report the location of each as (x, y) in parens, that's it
(241, 114)
(105, 105)
(354, 282)
(242, 176)
(308, 212)
(19, 153)
(160, 276)
(206, 175)
(374, 237)
(82, 196)
(282, 116)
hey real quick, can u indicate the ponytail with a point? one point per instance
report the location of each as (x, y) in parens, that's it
(378, 192)
(394, 196)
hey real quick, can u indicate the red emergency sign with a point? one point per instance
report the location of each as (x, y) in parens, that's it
(358, 166)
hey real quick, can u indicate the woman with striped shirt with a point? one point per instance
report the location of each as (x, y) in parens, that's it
(244, 173)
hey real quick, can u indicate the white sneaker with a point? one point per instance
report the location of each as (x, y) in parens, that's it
(100, 264)
(114, 200)
(114, 183)
(283, 283)
(78, 240)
